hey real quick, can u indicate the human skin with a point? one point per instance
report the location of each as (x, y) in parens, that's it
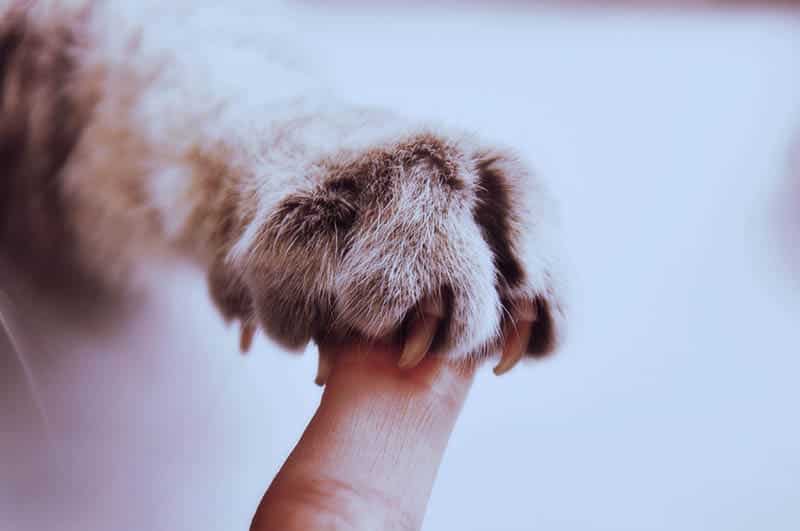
(369, 456)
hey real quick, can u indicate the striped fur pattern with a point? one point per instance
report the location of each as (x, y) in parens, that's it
(131, 130)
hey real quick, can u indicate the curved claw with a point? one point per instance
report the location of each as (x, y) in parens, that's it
(518, 334)
(246, 333)
(324, 368)
(421, 332)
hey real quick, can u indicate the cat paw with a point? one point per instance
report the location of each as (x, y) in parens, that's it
(447, 247)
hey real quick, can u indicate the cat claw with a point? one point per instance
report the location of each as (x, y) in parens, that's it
(418, 341)
(246, 333)
(514, 347)
(324, 368)
(517, 336)
(421, 332)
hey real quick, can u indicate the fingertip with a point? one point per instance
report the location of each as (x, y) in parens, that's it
(380, 431)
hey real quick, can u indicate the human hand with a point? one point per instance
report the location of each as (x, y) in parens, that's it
(370, 454)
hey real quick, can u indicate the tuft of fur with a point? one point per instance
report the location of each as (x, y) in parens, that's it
(42, 117)
(309, 216)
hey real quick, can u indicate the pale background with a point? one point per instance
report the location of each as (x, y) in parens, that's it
(667, 135)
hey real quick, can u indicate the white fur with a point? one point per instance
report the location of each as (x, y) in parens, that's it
(192, 75)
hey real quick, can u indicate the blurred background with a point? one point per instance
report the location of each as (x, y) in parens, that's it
(667, 131)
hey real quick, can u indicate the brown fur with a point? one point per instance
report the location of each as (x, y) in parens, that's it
(43, 114)
(304, 237)
(491, 211)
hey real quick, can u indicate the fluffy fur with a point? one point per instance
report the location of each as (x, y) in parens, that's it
(130, 130)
